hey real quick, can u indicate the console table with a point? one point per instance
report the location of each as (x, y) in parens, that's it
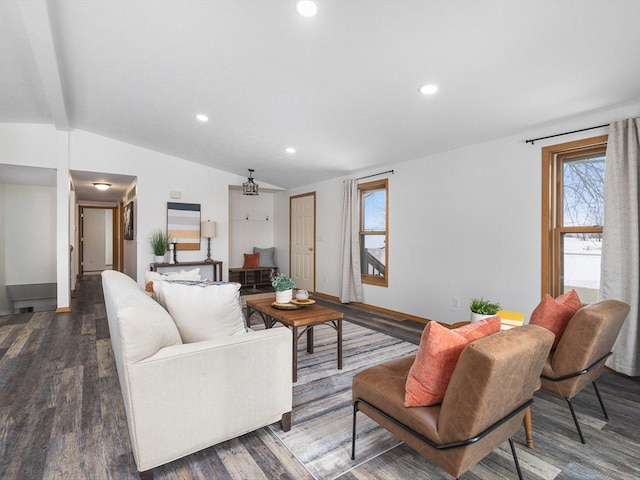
(215, 266)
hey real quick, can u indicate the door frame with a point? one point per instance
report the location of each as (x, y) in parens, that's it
(315, 257)
(116, 265)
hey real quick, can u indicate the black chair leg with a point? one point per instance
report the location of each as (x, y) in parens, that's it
(353, 437)
(515, 458)
(604, 410)
(575, 420)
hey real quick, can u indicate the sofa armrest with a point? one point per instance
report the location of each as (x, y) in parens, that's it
(191, 396)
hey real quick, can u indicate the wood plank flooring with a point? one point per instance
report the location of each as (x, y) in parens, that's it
(61, 414)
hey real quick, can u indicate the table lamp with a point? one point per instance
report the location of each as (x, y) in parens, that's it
(208, 231)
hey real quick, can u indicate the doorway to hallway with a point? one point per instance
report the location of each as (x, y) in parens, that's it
(98, 240)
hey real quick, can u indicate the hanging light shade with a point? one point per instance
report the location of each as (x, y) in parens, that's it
(249, 187)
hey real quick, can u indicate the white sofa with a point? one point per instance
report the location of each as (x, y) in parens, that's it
(183, 397)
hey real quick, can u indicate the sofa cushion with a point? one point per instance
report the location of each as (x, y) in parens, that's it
(554, 314)
(267, 256)
(436, 359)
(202, 310)
(145, 328)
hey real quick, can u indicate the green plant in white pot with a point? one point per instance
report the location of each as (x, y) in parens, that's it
(284, 286)
(159, 241)
(481, 309)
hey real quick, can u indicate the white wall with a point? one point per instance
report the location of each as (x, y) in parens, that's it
(474, 231)
(5, 308)
(464, 223)
(256, 231)
(108, 237)
(157, 175)
(28, 144)
(30, 230)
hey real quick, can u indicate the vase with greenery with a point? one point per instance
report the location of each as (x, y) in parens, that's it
(159, 242)
(284, 286)
(481, 309)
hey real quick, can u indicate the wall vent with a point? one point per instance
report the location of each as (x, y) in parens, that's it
(131, 194)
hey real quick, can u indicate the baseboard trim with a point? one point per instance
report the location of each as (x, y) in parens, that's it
(382, 310)
(63, 309)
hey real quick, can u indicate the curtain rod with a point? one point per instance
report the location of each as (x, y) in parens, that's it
(375, 175)
(565, 133)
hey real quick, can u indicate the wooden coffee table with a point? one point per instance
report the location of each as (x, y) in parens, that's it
(304, 318)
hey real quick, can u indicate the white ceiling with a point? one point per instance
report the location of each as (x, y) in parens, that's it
(342, 88)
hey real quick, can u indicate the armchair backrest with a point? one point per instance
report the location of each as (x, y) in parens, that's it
(494, 376)
(589, 336)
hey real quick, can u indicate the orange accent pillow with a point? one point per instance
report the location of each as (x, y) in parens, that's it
(437, 357)
(555, 314)
(251, 260)
(148, 287)
(480, 329)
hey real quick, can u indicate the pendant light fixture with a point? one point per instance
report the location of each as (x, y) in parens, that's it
(249, 187)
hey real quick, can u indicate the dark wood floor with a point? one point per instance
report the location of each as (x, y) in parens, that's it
(61, 414)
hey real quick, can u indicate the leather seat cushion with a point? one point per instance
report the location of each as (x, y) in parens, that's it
(384, 387)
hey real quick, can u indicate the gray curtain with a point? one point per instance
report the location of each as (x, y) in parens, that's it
(351, 284)
(620, 278)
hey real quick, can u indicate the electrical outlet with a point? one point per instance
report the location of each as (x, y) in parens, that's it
(455, 302)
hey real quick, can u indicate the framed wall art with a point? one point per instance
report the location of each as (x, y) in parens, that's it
(183, 225)
(128, 221)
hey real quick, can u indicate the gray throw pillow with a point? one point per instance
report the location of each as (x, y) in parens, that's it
(267, 256)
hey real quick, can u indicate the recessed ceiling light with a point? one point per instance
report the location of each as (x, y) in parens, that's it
(202, 118)
(102, 186)
(428, 89)
(291, 150)
(307, 8)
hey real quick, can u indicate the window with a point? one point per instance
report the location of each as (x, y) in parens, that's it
(374, 251)
(573, 217)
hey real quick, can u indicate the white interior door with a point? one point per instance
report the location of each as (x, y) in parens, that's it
(303, 246)
(97, 245)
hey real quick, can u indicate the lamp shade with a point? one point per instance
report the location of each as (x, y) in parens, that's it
(208, 229)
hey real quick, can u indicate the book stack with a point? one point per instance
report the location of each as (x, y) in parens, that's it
(510, 319)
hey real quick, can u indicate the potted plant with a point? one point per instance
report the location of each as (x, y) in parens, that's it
(481, 309)
(284, 287)
(159, 241)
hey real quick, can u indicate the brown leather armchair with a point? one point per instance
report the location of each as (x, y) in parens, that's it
(485, 401)
(583, 348)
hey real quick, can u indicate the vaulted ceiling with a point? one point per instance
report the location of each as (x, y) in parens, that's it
(341, 88)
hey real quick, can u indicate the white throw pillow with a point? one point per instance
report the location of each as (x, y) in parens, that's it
(145, 328)
(181, 275)
(155, 277)
(202, 310)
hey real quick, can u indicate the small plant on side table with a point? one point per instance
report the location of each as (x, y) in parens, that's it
(484, 307)
(284, 286)
(481, 308)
